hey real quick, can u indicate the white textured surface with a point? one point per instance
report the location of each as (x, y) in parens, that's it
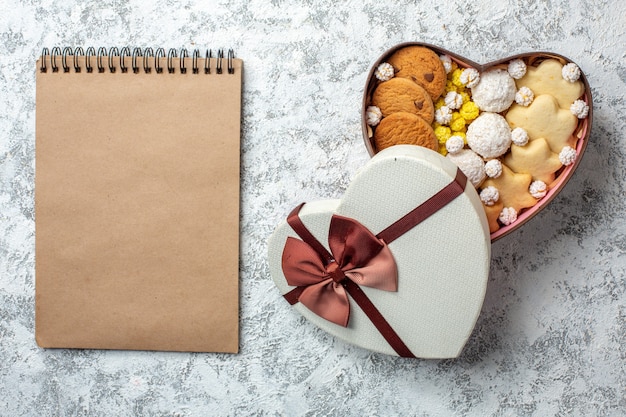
(551, 336)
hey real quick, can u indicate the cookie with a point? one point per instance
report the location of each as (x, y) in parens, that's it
(403, 95)
(547, 78)
(545, 119)
(422, 66)
(493, 212)
(535, 159)
(513, 189)
(404, 128)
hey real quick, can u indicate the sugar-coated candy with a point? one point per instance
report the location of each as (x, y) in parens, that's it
(519, 136)
(579, 109)
(373, 115)
(570, 72)
(538, 189)
(524, 96)
(489, 195)
(470, 77)
(384, 72)
(507, 216)
(493, 168)
(567, 156)
(517, 69)
(443, 115)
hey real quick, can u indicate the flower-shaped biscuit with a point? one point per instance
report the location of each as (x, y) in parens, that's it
(513, 189)
(535, 158)
(547, 78)
(545, 119)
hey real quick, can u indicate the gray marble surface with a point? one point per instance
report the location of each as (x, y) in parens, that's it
(551, 338)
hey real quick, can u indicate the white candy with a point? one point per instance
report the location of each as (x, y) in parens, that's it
(519, 136)
(384, 72)
(489, 195)
(493, 168)
(443, 115)
(453, 100)
(567, 156)
(524, 96)
(373, 115)
(517, 69)
(470, 77)
(489, 135)
(570, 72)
(538, 189)
(495, 92)
(454, 144)
(447, 63)
(579, 109)
(507, 216)
(470, 163)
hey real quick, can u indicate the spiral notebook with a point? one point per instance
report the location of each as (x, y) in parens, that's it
(137, 199)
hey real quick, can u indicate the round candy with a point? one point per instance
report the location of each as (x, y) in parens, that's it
(567, 156)
(373, 115)
(471, 164)
(524, 96)
(454, 144)
(507, 216)
(570, 72)
(519, 136)
(495, 92)
(489, 195)
(493, 168)
(517, 69)
(579, 109)
(384, 72)
(538, 189)
(489, 135)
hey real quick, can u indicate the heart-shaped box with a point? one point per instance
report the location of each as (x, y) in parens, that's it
(431, 225)
(580, 134)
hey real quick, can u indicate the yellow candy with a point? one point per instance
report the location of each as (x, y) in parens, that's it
(439, 103)
(456, 77)
(458, 122)
(443, 150)
(469, 111)
(466, 96)
(450, 86)
(443, 133)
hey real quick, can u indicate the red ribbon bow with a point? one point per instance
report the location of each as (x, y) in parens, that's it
(355, 254)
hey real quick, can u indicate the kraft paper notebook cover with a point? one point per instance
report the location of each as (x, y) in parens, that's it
(137, 199)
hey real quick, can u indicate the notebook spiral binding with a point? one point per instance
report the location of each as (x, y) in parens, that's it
(146, 59)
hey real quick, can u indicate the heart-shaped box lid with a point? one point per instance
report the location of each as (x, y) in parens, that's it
(442, 262)
(581, 134)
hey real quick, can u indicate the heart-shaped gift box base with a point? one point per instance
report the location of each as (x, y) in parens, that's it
(580, 135)
(442, 263)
